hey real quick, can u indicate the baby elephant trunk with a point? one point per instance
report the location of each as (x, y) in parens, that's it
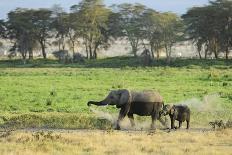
(96, 103)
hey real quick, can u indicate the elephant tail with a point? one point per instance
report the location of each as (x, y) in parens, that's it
(161, 109)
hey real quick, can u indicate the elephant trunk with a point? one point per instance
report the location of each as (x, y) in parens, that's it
(96, 103)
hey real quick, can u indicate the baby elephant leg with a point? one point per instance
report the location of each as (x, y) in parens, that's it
(172, 123)
(187, 124)
(180, 124)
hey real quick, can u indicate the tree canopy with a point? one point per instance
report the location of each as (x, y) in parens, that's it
(210, 27)
(95, 26)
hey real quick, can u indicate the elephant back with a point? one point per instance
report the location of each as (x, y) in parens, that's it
(146, 96)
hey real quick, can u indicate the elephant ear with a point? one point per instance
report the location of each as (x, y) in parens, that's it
(124, 98)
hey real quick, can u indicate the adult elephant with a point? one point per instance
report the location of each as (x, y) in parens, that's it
(145, 103)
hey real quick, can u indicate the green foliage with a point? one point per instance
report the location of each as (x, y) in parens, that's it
(94, 25)
(210, 27)
(130, 23)
(2, 29)
(28, 28)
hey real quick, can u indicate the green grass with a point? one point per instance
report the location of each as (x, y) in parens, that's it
(48, 87)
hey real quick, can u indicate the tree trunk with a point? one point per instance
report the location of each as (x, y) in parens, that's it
(59, 45)
(206, 52)
(199, 53)
(95, 50)
(44, 53)
(214, 47)
(169, 54)
(95, 54)
(90, 46)
(73, 47)
(152, 51)
(166, 50)
(63, 47)
(216, 50)
(216, 54)
(42, 44)
(90, 52)
(158, 54)
(134, 51)
(134, 46)
(227, 53)
(30, 55)
(86, 50)
(63, 43)
(24, 54)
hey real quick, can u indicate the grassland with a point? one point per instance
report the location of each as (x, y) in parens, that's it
(116, 142)
(46, 94)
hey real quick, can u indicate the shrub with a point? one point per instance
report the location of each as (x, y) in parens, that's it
(63, 56)
(77, 57)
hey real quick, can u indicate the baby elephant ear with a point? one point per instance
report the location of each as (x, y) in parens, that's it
(124, 97)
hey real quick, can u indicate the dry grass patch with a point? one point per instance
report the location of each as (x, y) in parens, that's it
(117, 142)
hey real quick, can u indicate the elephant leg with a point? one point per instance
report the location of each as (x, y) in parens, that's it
(122, 114)
(172, 123)
(187, 124)
(180, 124)
(154, 118)
(131, 118)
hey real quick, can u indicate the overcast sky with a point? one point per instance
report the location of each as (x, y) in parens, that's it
(177, 6)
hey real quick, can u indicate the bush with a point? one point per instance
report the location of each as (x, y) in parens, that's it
(77, 57)
(146, 58)
(63, 56)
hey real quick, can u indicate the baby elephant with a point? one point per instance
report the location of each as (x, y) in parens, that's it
(180, 113)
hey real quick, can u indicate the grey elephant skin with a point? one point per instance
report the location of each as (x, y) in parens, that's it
(144, 103)
(180, 113)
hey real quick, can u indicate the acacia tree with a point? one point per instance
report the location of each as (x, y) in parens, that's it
(152, 31)
(27, 27)
(2, 31)
(210, 27)
(224, 24)
(20, 30)
(73, 33)
(92, 25)
(172, 28)
(130, 23)
(42, 27)
(197, 28)
(61, 25)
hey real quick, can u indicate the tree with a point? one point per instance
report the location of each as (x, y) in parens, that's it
(152, 31)
(130, 23)
(224, 24)
(61, 25)
(172, 28)
(210, 27)
(20, 30)
(92, 25)
(42, 27)
(2, 31)
(29, 27)
(197, 28)
(73, 32)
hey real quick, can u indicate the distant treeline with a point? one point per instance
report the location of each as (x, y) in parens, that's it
(96, 26)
